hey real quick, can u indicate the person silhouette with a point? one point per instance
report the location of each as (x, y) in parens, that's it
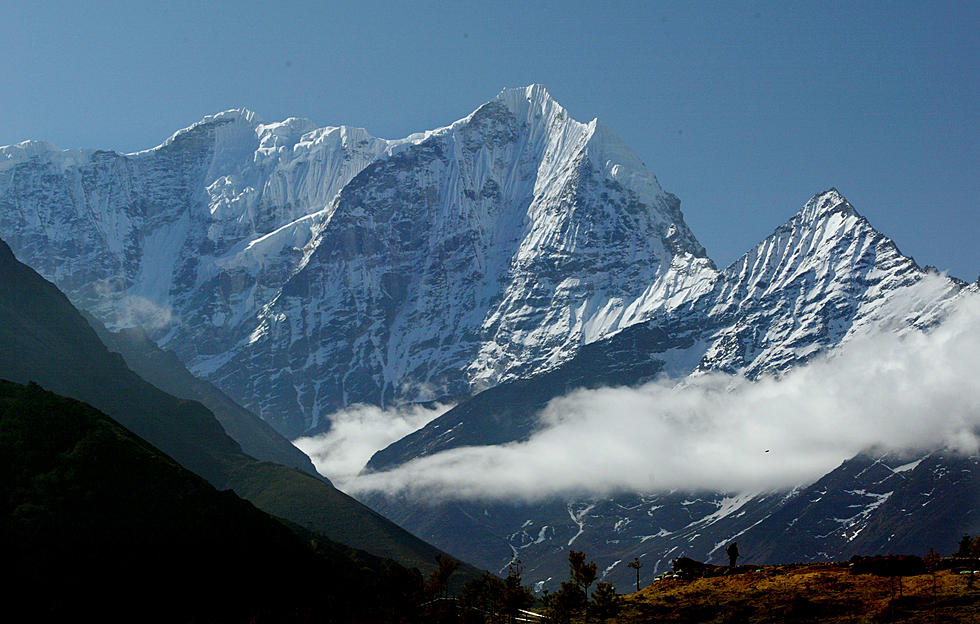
(732, 551)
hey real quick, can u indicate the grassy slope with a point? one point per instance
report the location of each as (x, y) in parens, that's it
(807, 593)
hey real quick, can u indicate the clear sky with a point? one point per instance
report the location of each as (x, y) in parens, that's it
(743, 110)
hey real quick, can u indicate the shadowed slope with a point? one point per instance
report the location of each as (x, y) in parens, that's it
(95, 523)
(165, 371)
(44, 339)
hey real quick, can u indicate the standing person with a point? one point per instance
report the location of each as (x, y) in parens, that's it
(732, 551)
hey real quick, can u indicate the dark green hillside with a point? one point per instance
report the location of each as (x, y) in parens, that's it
(98, 524)
(165, 371)
(46, 340)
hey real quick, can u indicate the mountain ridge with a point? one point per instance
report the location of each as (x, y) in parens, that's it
(89, 539)
(753, 321)
(165, 371)
(210, 240)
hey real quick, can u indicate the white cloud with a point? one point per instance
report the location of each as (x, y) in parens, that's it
(131, 310)
(357, 433)
(917, 390)
(136, 311)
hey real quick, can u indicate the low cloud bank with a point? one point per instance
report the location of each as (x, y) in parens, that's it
(718, 432)
(357, 433)
(133, 310)
(136, 311)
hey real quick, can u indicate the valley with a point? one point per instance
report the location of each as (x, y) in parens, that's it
(244, 282)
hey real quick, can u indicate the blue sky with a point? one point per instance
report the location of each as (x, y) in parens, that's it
(743, 110)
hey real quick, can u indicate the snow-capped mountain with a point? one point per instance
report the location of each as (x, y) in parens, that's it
(189, 239)
(500, 261)
(819, 281)
(304, 269)
(821, 278)
(122, 231)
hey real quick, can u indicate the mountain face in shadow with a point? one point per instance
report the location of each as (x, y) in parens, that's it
(164, 370)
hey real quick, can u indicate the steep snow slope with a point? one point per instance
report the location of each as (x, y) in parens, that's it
(180, 238)
(823, 277)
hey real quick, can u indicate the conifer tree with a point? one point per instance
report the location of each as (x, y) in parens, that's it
(438, 584)
(583, 575)
(605, 601)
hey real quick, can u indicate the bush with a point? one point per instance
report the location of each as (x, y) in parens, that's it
(605, 601)
(969, 547)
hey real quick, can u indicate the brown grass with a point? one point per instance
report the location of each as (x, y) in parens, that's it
(825, 593)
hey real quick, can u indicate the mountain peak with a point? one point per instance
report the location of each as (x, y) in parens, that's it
(241, 114)
(12, 155)
(531, 102)
(285, 133)
(824, 204)
(536, 93)
(234, 116)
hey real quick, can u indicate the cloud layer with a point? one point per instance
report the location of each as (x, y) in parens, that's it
(357, 432)
(718, 432)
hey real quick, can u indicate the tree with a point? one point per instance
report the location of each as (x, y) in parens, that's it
(395, 593)
(969, 546)
(964, 546)
(482, 599)
(605, 601)
(563, 603)
(438, 584)
(516, 596)
(582, 575)
(635, 564)
(485, 598)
